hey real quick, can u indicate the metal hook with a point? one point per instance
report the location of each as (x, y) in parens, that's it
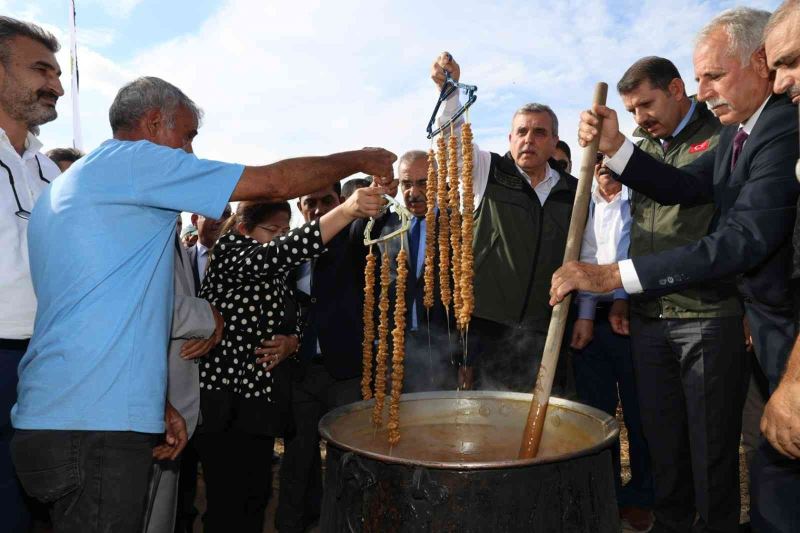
(449, 87)
(405, 222)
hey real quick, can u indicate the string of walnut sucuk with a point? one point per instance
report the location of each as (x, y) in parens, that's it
(444, 225)
(455, 222)
(383, 341)
(398, 347)
(467, 227)
(369, 325)
(430, 234)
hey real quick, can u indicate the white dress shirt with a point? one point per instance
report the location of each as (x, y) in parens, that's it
(30, 173)
(420, 262)
(630, 279)
(482, 160)
(606, 240)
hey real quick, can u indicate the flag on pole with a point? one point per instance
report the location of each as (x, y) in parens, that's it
(77, 138)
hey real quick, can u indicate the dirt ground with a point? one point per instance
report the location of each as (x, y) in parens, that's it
(269, 527)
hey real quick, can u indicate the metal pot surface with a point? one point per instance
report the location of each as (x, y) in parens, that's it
(470, 430)
(456, 468)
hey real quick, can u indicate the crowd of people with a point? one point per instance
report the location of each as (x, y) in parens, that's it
(149, 347)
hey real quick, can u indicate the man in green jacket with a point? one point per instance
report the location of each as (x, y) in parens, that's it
(688, 346)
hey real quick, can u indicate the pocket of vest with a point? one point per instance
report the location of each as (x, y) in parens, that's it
(480, 255)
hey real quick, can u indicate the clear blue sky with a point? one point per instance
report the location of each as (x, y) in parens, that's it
(286, 78)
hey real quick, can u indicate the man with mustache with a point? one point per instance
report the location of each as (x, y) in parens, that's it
(604, 368)
(428, 362)
(750, 177)
(523, 205)
(29, 89)
(683, 342)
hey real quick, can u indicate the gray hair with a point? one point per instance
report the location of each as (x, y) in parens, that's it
(538, 108)
(411, 156)
(744, 27)
(143, 94)
(10, 28)
(784, 11)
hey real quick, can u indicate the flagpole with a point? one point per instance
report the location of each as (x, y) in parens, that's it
(77, 138)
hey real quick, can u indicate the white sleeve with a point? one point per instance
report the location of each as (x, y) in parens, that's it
(482, 161)
(621, 158)
(630, 279)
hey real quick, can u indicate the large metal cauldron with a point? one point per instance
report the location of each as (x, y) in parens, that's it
(455, 468)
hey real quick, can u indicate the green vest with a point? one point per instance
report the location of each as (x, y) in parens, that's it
(656, 228)
(518, 245)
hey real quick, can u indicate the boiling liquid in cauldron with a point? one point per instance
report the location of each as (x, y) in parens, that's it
(453, 442)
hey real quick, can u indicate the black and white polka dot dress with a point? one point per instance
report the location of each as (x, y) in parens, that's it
(246, 282)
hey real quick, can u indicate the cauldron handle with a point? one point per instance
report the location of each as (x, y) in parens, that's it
(426, 494)
(353, 473)
(352, 468)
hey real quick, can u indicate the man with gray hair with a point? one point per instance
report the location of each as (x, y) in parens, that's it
(91, 410)
(750, 178)
(782, 46)
(29, 89)
(523, 204)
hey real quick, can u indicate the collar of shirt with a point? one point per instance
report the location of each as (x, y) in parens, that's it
(32, 144)
(622, 195)
(750, 123)
(202, 251)
(551, 177)
(684, 121)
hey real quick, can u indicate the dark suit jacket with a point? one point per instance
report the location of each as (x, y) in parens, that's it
(415, 285)
(334, 311)
(751, 236)
(756, 202)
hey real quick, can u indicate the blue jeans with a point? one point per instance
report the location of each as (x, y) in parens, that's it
(93, 481)
(603, 377)
(13, 510)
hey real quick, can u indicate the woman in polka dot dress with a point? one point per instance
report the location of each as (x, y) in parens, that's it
(245, 396)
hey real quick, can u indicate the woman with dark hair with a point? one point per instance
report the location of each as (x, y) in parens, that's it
(245, 397)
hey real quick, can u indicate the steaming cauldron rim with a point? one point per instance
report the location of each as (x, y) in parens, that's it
(609, 423)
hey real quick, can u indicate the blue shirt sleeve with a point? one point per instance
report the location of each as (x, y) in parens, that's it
(170, 178)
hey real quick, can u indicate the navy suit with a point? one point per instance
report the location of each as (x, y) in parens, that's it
(751, 239)
(752, 235)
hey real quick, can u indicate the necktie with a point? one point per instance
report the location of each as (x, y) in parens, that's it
(666, 144)
(738, 143)
(413, 244)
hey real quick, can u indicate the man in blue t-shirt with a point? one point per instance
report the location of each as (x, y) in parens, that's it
(91, 404)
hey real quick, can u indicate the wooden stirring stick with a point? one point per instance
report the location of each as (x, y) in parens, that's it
(558, 320)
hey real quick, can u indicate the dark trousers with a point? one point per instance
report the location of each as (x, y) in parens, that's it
(508, 358)
(186, 512)
(237, 470)
(300, 497)
(774, 491)
(692, 377)
(13, 510)
(774, 479)
(93, 481)
(603, 377)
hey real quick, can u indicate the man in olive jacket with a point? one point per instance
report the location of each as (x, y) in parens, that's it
(688, 346)
(523, 204)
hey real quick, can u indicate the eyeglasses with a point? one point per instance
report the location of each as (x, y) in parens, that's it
(277, 230)
(22, 213)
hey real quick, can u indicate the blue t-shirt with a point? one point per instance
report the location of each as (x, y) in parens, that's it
(101, 243)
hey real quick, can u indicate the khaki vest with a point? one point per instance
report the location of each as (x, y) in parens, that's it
(656, 228)
(518, 245)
